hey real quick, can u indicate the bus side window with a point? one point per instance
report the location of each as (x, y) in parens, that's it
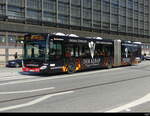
(69, 51)
(59, 50)
(76, 48)
(56, 50)
(83, 52)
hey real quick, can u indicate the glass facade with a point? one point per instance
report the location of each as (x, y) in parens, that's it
(128, 16)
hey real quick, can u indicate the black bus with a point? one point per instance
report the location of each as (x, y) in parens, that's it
(69, 53)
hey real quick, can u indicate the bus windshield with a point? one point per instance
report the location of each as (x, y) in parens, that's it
(35, 50)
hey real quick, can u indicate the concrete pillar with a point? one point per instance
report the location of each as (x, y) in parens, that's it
(6, 48)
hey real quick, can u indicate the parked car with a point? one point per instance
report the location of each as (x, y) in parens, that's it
(14, 63)
(146, 57)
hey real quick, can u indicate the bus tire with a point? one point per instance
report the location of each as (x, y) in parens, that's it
(71, 68)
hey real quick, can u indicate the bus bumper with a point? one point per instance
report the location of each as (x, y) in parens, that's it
(30, 69)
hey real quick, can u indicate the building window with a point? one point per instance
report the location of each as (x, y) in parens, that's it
(106, 26)
(87, 3)
(114, 2)
(130, 22)
(136, 30)
(105, 17)
(106, 6)
(97, 5)
(15, 12)
(11, 39)
(75, 11)
(122, 20)
(63, 8)
(114, 27)
(33, 14)
(122, 28)
(129, 13)
(141, 8)
(141, 25)
(130, 4)
(136, 23)
(146, 17)
(97, 24)
(141, 31)
(135, 15)
(76, 2)
(146, 9)
(136, 6)
(146, 32)
(146, 26)
(141, 1)
(75, 21)
(146, 2)
(114, 19)
(49, 5)
(141, 16)
(129, 29)
(87, 23)
(3, 1)
(62, 19)
(63, 11)
(122, 11)
(87, 13)
(2, 9)
(2, 39)
(34, 4)
(16, 2)
(114, 9)
(96, 15)
(51, 17)
(122, 3)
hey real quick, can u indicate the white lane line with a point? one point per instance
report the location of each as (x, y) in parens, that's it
(27, 91)
(140, 101)
(15, 78)
(60, 77)
(128, 110)
(33, 102)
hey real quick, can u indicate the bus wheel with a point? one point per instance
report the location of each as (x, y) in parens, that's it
(71, 68)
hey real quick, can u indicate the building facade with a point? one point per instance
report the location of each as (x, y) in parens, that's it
(114, 19)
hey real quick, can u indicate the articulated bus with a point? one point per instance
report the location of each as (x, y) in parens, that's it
(50, 53)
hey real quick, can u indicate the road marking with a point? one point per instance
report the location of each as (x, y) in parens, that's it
(27, 91)
(33, 102)
(128, 110)
(60, 77)
(140, 101)
(14, 78)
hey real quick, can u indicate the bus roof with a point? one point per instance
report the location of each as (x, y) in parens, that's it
(67, 37)
(72, 37)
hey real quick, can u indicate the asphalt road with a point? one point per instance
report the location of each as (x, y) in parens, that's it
(123, 89)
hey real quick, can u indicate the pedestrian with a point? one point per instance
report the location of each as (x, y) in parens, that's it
(16, 55)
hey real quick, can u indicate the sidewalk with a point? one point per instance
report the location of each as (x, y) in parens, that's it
(2, 64)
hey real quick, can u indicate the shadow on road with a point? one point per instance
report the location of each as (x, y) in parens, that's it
(40, 74)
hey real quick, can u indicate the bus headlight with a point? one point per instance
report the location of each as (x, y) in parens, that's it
(43, 67)
(137, 58)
